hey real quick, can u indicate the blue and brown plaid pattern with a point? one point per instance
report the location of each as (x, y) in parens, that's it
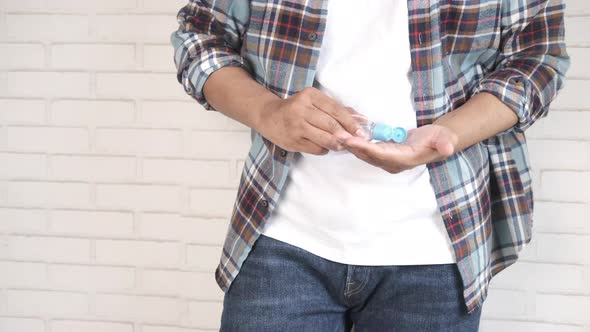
(512, 49)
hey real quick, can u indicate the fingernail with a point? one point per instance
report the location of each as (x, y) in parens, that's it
(360, 132)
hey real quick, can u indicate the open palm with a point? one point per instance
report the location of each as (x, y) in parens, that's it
(424, 144)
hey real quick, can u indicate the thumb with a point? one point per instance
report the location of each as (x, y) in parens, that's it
(443, 141)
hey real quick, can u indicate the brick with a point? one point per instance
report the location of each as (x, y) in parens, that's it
(159, 58)
(45, 139)
(577, 27)
(219, 145)
(563, 308)
(143, 308)
(22, 56)
(556, 217)
(63, 84)
(93, 56)
(579, 68)
(551, 154)
(161, 282)
(510, 325)
(571, 97)
(91, 6)
(155, 328)
(22, 220)
(139, 85)
(203, 258)
(505, 303)
(165, 226)
(92, 112)
(46, 194)
(143, 197)
(175, 227)
(212, 231)
(137, 253)
(196, 285)
(88, 326)
(21, 165)
(186, 115)
(135, 28)
(190, 172)
(22, 274)
(94, 278)
(16, 324)
(565, 186)
(561, 125)
(205, 314)
(93, 168)
(556, 277)
(212, 202)
(53, 249)
(38, 302)
(139, 141)
(21, 111)
(22, 5)
(91, 223)
(577, 7)
(563, 248)
(67, 6)
(168, 6)
(43, 27)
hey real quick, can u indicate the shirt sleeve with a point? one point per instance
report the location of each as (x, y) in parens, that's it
(531, 66)
(208, 38)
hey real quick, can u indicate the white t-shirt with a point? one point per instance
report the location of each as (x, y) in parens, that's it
(340, 207)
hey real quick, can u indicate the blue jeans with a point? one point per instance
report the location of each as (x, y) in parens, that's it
(281, 287)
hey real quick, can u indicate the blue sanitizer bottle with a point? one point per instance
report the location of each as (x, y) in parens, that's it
(380, 131)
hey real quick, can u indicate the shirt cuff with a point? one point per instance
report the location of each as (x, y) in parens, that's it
(510, 87)
(196, 75)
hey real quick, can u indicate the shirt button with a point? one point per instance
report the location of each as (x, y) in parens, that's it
(264, 203)
(312, 36)
(283, 153)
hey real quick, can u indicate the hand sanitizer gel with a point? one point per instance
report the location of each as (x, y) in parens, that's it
(380, 131)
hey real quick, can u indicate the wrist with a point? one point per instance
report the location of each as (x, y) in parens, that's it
(265, 112)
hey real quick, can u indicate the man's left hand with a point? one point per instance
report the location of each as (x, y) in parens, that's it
(423, 145)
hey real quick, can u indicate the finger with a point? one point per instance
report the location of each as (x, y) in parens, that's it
(322, 138)
(336, 111)
(310, 147)
(323, 121)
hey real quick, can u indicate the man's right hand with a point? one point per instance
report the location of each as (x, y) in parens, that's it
(308, 121)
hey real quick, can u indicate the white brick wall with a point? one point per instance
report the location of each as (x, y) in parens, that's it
(114, 206)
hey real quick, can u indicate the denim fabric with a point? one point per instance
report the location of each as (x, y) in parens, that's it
(282, 287)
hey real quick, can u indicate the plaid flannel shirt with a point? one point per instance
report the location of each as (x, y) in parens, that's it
(512, 49)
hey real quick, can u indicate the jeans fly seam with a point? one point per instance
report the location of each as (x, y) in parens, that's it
(350, 292)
